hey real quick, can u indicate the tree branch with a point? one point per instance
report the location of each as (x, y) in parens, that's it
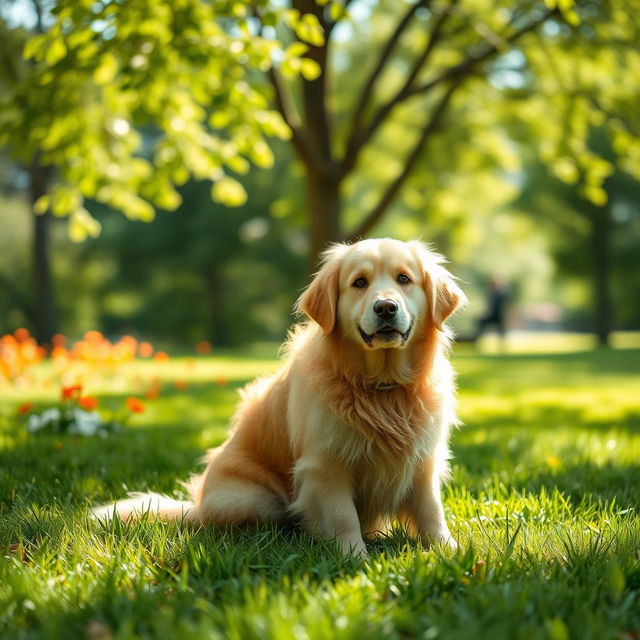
(317, 117)
(459, 71)
(385, 54)
(285, 106)
(359, 138)
(466, 67)
(372, 218)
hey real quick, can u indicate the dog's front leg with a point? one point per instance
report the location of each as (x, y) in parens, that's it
(324, 502)
(423, 509)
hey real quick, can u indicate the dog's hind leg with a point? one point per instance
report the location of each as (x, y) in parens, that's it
(231, 500)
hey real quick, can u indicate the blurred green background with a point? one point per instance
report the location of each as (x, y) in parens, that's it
(238, 138)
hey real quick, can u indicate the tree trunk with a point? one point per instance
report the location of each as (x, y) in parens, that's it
(324, 206)
(600, 242)
(45, 311)
(216, 296)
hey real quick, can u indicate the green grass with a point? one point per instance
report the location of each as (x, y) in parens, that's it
(543, 499)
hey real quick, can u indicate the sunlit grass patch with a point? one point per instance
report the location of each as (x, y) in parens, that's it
(543, 500)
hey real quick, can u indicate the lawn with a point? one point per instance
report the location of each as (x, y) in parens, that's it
(543, 499)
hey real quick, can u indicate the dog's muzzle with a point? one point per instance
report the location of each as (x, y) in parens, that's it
(387, 333)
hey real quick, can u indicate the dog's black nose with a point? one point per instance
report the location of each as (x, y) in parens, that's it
(385, 308)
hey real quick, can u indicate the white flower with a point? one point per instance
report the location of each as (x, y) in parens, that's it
(35, 423)
(50, 415)
(45, 419)
(85, 423)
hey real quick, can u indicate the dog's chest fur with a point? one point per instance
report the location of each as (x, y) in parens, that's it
(381, 479)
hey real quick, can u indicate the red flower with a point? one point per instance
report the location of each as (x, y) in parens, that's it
(72, 391)
(25, 407)
(135, 405)
(88, 402)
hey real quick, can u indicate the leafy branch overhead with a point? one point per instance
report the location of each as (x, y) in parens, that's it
(181, 72)
(130, 100)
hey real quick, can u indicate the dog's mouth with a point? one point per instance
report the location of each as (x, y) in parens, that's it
(387, 333)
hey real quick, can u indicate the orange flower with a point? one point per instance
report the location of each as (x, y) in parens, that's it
(221, 382)
(58, 340)
(72, 391)
(145, 349)
(25, 407)
(152, 393)
(180, 385)
(21, 334)
(135, 405)
(88, 402)
(161, 356)
(203, 347)
(93, 336)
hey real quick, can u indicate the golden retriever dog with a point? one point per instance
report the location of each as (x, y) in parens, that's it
(352, 430)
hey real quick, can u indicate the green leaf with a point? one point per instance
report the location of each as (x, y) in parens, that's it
(168, 198)
(42, 204)
(34, 47)
(64, 200)
(296, 50)
(262, 155)
(83, 225)
(55, 51)
(229, 192)
(310, 69)
(596, 195)
(106, 70)
(310, 30)
(337, 11)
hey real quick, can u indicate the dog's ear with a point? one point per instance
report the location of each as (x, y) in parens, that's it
(320, 299)
(444, 296)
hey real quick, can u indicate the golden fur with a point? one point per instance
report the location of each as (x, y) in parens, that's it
(353, 429)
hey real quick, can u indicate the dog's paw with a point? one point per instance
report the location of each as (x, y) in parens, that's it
(446, 541)
(449, 543)
(442, 539)
(355, 548)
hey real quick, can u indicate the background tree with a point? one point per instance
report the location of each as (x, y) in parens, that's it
(191, 70)
(591, 242)
(386, 105)
(41, 309)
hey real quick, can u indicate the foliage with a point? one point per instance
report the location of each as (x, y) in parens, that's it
(181, 69)
(543, 500)
(192, 75)
(569, 221)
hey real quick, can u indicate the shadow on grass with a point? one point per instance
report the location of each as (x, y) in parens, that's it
(481, 371)
(596, 484)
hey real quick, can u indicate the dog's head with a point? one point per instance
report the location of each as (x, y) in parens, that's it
(381, 293)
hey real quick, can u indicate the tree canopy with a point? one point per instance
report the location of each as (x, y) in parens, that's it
(129, 100)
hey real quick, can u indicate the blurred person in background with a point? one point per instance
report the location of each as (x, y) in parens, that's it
(495, 314)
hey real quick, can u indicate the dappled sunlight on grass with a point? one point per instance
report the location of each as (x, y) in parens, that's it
(543, 501)
(553, 342)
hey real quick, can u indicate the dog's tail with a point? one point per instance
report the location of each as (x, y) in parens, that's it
(150, 505)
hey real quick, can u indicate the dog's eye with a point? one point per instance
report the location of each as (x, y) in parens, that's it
(403, 279)
(360, 283)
